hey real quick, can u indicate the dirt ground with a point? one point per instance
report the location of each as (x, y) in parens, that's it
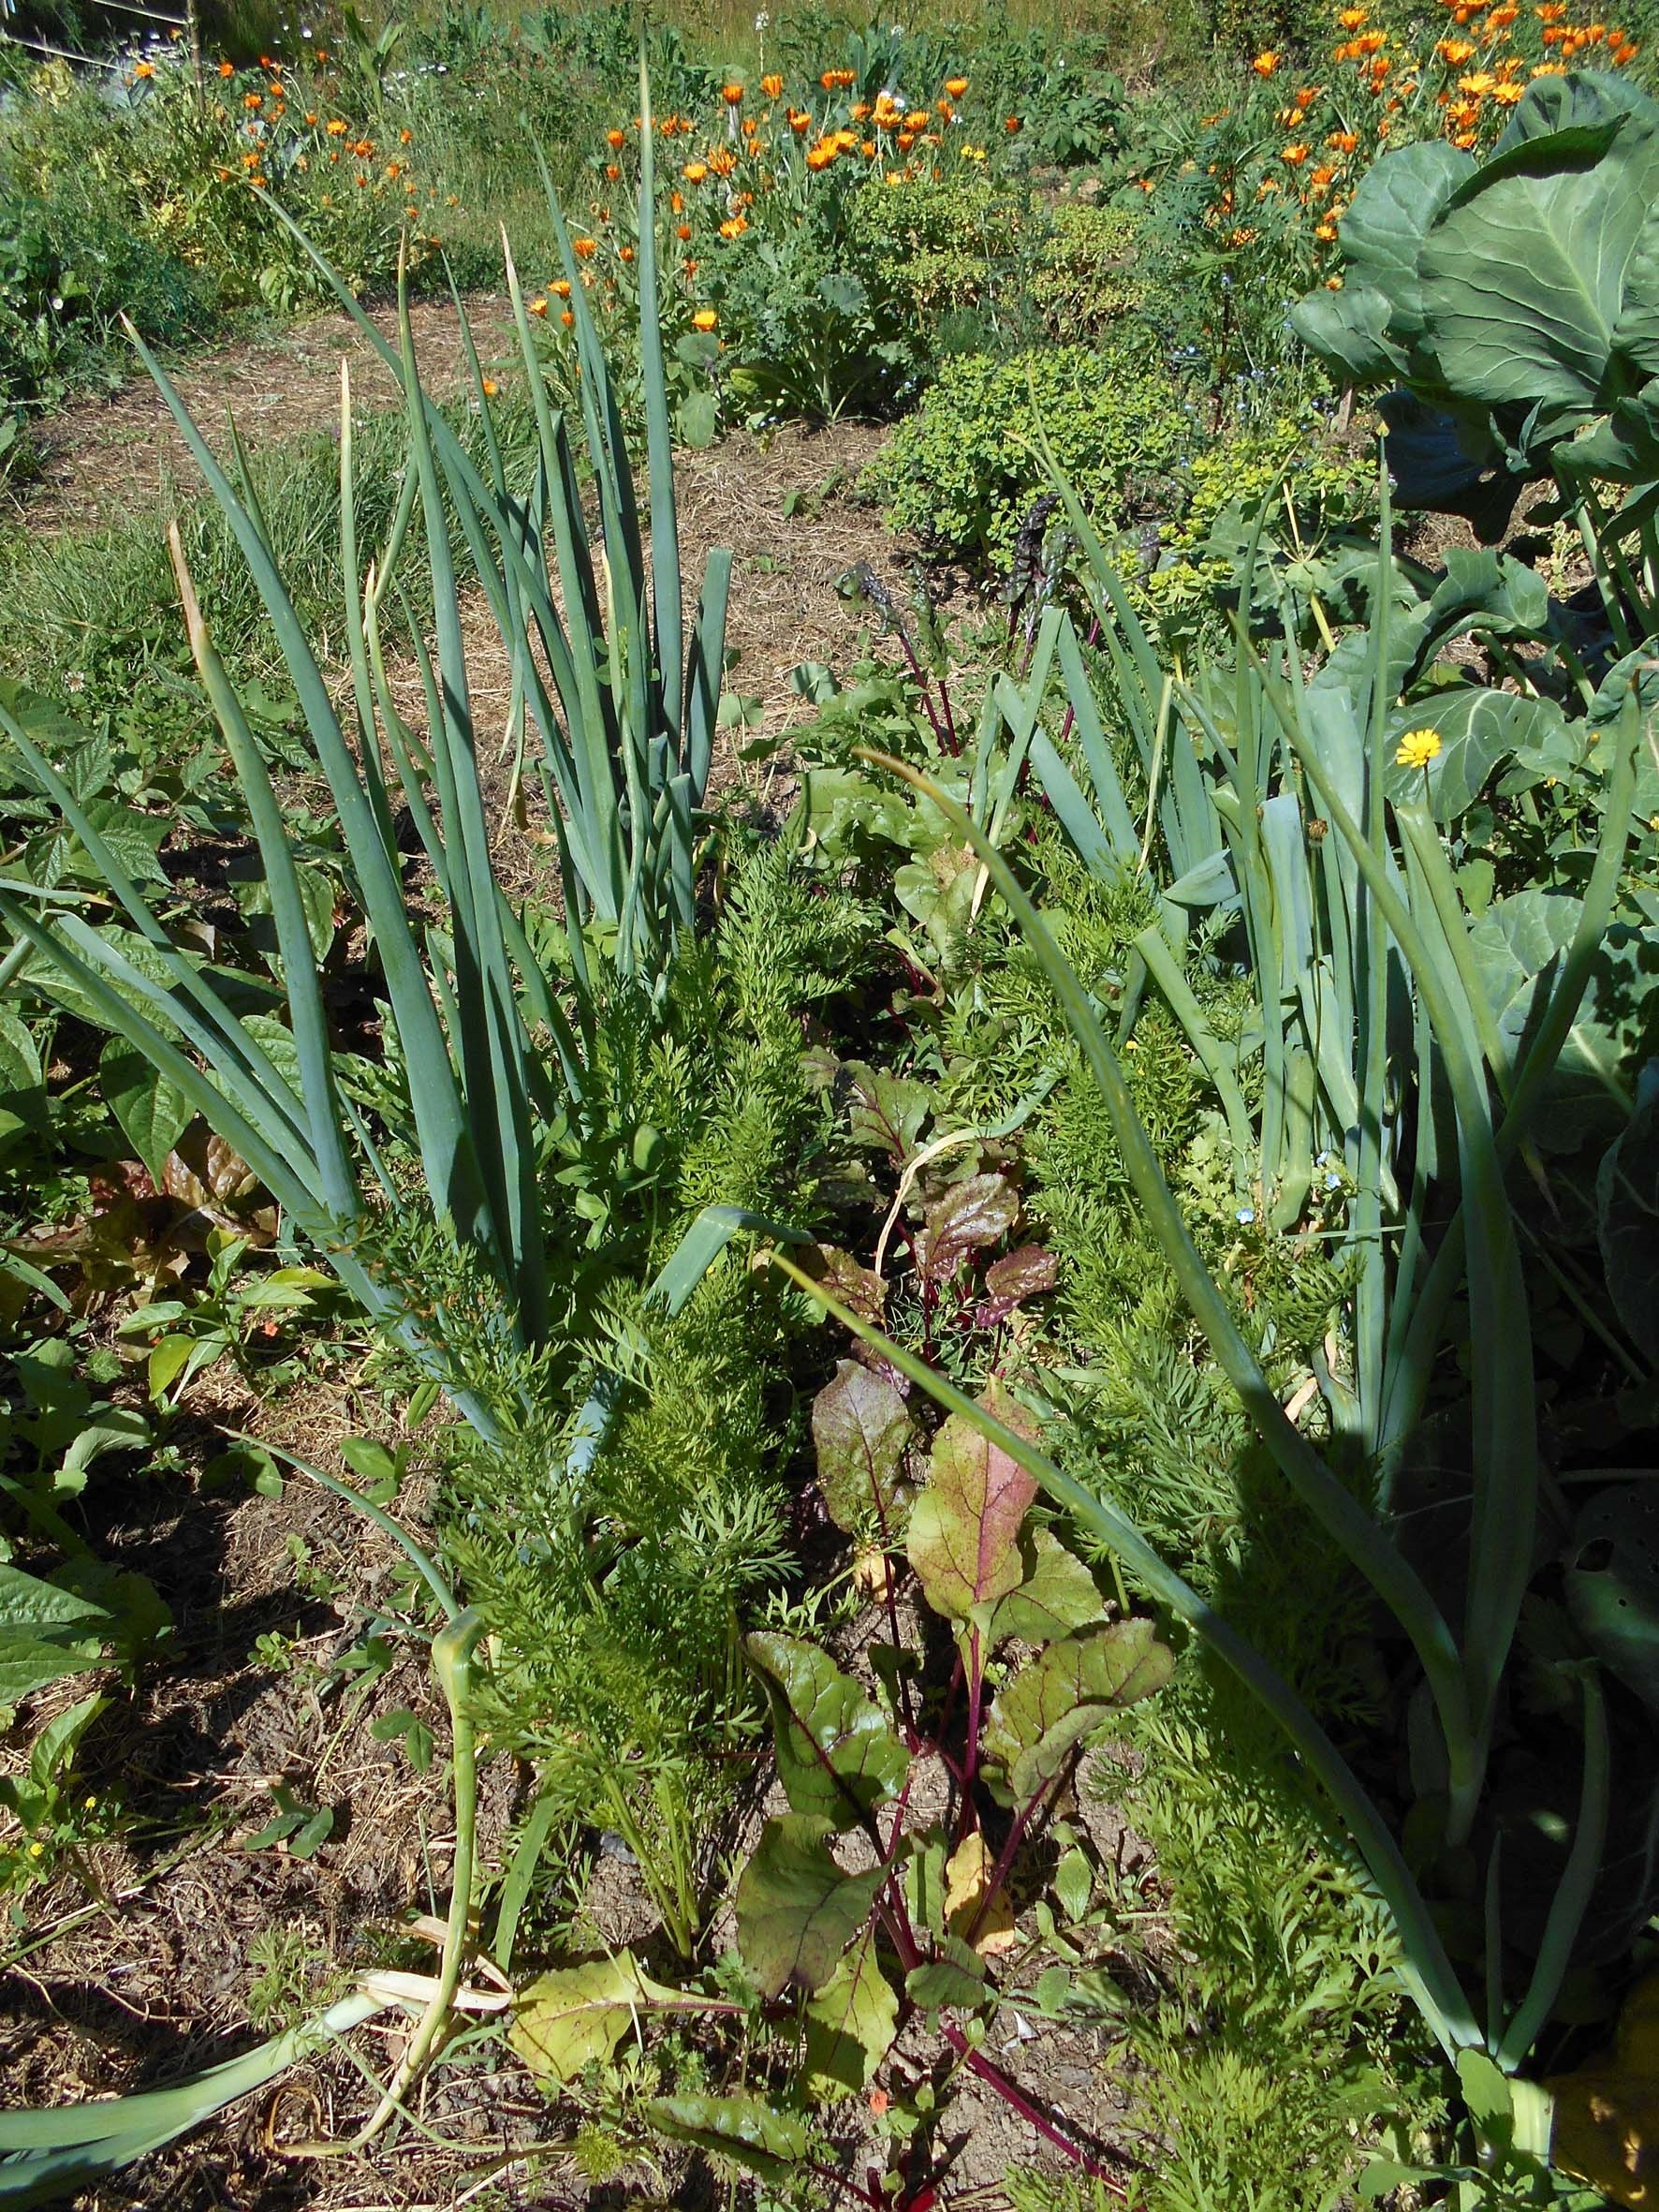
(138, 1970)
(105, 459)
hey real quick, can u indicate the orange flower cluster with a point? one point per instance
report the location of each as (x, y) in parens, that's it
(780, 148)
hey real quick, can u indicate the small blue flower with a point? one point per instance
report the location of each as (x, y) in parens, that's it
(1246, 1216)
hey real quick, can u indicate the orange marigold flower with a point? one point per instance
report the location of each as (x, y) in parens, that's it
(539, 305)
(1012, 124)
(617, 140)
(694, 171)
(917, 119)
(612, 172)
(1478, 84)
(568, 319)
(1353, 19)
(733, 94)
(722, 163)
(828, 80)
(1307, 94)
(584, 248)
(1265, 62)
(771, 85)
(1344, 141)
(148, 69)
(336, 128)
(750, 128)
(560, 288)
(684, 233)
(625, 254)
(257, 182)
(1325, 232)
(956, 86)
(404, 137)
(704, 319)
(226, 68)
(733, 227)
(822, 154)
(249, 99)
(859, 110)
(1506, 96)
(904, 141)
(490, 387)
(394, 170)
(677, 203)
(1295, 156)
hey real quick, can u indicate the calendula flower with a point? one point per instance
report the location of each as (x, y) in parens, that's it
(568, 319)
(956, 86)
(917, 119)
(733, 227)
(146, 69)
(1477, 85)
(1344, 142)
(404, 137)
(1295, 156)
(336, 129)
(771, 85)
(733, 94)
(560, 288)
(1325, 232)
(539, 305)
(694, 171)
(612, 172)
(226, 68)
(1012, 124)
(1417, 749)
(705, 318)
(1266, 63)
(584, 248)
(822, 154)
(1353, 19)
(490, 387)
(625, 254)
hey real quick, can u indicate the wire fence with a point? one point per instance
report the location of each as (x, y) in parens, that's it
(163, 23)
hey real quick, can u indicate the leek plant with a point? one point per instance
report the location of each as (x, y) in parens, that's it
(1277, 797)
(494, 1035)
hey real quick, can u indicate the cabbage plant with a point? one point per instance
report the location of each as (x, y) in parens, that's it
(1513, 306)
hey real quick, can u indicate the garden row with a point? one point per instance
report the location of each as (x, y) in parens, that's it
(1127, 1219)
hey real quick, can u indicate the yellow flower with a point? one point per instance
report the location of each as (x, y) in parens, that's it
(956, 86)
(694, 171)
(144, 69)
(704, 320)
(538, 307)
(1417, 749)
(490, 387)
(771, 85)
(1265, 64)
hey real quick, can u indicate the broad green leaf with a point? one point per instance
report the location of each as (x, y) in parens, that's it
(741, 2129)
(964, 1528)
(1056, 1593)
(1391, 213)
(565, 2019)
(860, 1427)
(1074, 1883)
(1349, 331)
(796, 1909)
(45, 1633)
(154, 1115)
(1518, 945)
(1523, 275)
(954, 1979)
(23, 1091)
(170, 1357)
(1612, 1583)
(837, 1753)
(52, 1755)
(924, 1884)
(883, 1111)
(1583, 99)
(1069, 1689)
(1479, 728)
(850, 2025)
(133, 838)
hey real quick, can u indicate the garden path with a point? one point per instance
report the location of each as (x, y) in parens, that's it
(105, 458)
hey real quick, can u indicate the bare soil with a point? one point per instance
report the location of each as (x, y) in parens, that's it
(105, 459)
